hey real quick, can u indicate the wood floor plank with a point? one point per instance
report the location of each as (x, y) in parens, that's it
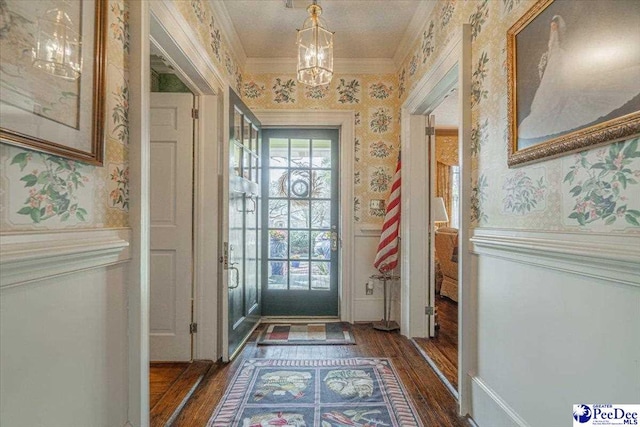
(161, 376)
(443, 349)
(171, 403)
(433, 402)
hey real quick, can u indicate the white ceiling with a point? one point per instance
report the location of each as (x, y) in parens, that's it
(364, 29)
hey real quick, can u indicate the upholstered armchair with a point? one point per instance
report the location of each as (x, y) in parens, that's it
(447, 257)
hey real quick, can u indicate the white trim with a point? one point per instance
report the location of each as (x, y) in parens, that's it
(340, 65)
(609, 257)
(178, 39)
(344, 120)
(192, 63)
(29, 256)
(453, 64)
(414, 267)
(494, 403)
(205, 228)
(413, 32)
(228, 31)
(139, 181)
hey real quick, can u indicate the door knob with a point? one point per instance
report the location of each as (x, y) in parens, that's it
(334, 241)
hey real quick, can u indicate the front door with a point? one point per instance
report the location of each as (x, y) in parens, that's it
(241, 233)
(300, 222)
(171, 281)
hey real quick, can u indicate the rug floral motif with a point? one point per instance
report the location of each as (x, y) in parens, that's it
(356, 392)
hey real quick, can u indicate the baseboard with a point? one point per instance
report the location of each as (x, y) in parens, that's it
(489, 409)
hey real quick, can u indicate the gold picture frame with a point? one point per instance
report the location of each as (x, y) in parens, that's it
(560, 68)
(42, 108)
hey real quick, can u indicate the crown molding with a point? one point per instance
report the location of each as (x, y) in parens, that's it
(229, 32)
(413, 32)
(340, 65)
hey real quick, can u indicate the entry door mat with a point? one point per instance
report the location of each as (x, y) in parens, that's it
(323, 393)
(307, 334)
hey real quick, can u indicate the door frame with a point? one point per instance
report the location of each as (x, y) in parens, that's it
(344, 121)
(454, 63)
(162, 23)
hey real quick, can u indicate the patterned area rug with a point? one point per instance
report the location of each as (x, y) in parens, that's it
(307, 334)
(361, 392)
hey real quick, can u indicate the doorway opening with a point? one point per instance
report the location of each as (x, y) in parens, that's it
(441, 346)
(300, 222)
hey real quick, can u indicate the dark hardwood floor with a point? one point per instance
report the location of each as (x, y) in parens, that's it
(433, 401)
(161, 376)
(443, 349)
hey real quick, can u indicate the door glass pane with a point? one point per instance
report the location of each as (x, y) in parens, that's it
(300, 183)
(320, 214)
(299, 214)
(300, 153)
(321, 184)
(321, 241)
(278, 244)
(321, 153)
(236, 159)
(255, 177)
(278, 213)
(298, 275)
(320, 275)
(246, 163)
(237, 125)
(278, 182)
(278, 152)
(299, 244)
(277, 275)
(246, 133)
(254, 133)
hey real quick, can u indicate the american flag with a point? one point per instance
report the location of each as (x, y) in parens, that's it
(387, 256)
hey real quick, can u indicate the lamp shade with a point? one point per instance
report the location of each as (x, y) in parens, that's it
(439, 211)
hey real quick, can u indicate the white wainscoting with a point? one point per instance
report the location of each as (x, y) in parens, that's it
(63, 328)
(370, 307)
(558, 316)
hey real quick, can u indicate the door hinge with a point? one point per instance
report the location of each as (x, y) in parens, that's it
(195, 113)
(193, 328)
(430, 130)
(428, 310)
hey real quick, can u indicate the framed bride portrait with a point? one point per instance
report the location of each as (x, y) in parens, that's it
(573, 77)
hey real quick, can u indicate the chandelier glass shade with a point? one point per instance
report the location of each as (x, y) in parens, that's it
(58, 45)
(315, 50)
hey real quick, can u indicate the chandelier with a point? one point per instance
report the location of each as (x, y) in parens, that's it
(58, 45)
(315, 49)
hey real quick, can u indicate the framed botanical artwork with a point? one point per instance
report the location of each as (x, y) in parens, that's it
(52, 76)
(573, 77)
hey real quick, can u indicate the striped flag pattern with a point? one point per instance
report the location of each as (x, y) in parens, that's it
(387, 256)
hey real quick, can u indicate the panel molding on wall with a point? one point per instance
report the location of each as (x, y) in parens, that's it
(26, 257)
(609, 257)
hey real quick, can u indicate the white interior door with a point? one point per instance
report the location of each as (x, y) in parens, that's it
(171, 282)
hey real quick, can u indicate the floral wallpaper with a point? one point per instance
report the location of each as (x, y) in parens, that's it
(40, 191)
(374, 100)
(597, 190)
(201, 18)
